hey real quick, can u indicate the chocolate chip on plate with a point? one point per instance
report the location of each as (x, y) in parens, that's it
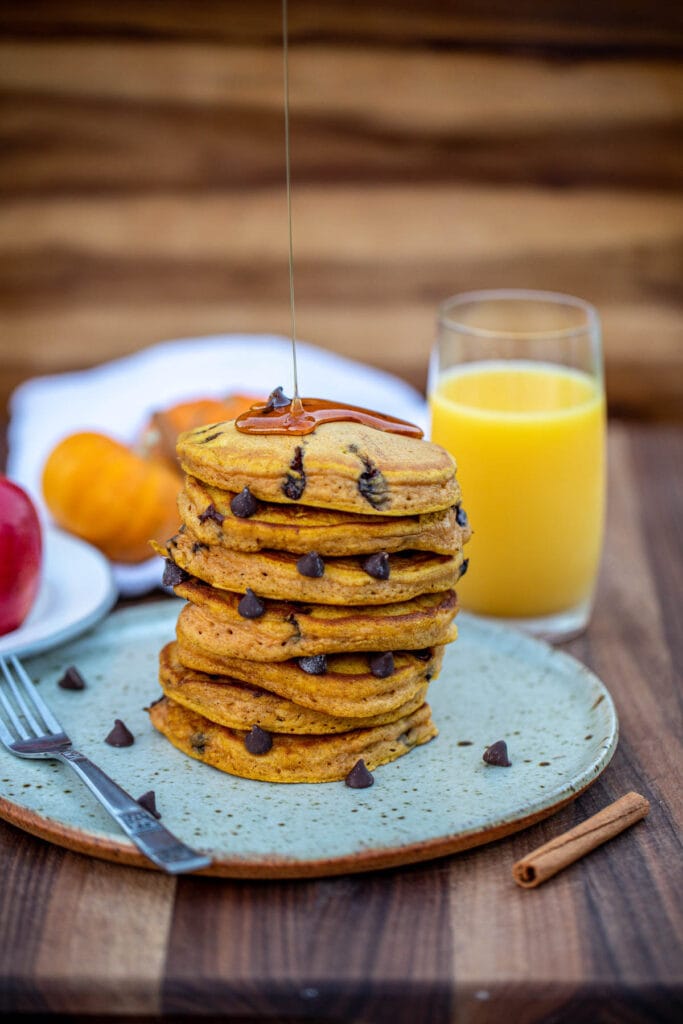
(359, 777)
(382, 665)
(311, 565)
(173, 574)
(244, 504)
(72, 679)
(148, 800)
(120, 735)
(497, 754)
(211, 512)
(314, 664)
(250, 606)
(258, 741)
(377, 565)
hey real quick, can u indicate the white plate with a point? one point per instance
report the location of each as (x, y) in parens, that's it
(77, 589)
(557, 717)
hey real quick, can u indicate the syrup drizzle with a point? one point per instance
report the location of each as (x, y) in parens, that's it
(292, 312)
(306, 414)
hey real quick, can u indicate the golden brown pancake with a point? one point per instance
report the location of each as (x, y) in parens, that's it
(288, 630)
(346, 688)
(301, 528)
(343, 466)
(275, 574)
(236, 704)
(292, 758)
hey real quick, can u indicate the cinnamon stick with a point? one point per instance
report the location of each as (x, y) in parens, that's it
(559, 853)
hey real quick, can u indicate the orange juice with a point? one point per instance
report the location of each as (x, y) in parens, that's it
(528, 439)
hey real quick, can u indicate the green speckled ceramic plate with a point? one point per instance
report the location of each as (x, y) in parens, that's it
(557, 717)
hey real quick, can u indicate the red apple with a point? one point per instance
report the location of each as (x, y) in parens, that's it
(20, 555)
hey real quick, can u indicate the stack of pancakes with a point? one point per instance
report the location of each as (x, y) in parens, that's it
(318, 572)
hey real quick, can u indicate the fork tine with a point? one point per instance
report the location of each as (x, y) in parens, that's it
(50, 721)
(11, 713)
(6, 736)
(26, 711)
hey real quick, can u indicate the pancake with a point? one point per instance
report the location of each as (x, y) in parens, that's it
(343, 466)
(292, 758)
(301, 528)
(288, 630)
(275, 574)
(237, 705)
(346, 688)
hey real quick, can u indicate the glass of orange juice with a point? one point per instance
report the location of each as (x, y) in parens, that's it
(517, 396)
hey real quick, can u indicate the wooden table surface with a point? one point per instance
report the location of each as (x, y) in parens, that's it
(451, 940)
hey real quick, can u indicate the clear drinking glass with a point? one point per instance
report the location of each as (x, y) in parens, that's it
(516, 391)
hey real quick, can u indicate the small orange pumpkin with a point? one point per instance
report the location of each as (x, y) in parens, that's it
(99, 490)
(159, 436)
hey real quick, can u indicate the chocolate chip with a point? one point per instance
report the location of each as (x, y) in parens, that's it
(464, 566)
(295, 482)
(258, 741)
(315, 665)
(244, 504)
(210, 437)
(461, 516)
(250, 606)
(423, 655)
(72, 679)
(311, 565)
(198, 546)
(497, 754)
(359, 777)
(198, 742)
(148, 800)
(120, 736)
(277, 399)
(382, 665)
(377, 565)
(211, 512)
(372, 484)
(173, 574)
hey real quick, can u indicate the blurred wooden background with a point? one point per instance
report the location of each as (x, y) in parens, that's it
(436, 147)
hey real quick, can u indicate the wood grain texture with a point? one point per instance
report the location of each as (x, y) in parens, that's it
(435, 148)
(452, 940)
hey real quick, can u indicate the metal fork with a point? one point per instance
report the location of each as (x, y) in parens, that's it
(33, 731)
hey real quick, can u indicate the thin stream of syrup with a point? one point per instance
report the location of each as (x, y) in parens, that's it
(296, 401)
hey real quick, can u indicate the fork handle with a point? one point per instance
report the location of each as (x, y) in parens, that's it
(150, 837)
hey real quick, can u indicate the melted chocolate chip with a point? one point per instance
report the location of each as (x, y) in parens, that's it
(372, 484)
(315, 665)
(461, 516)
(464, 566)
(120, 736)
(173, 574)
(497, 754)
(148, 800)
(295, 482)
(377, 565)
(198, 546)
(382, 665)
(250, 606)
(423, 655)
(258, 741)
(211, 512)
(244, 504)
(277, 399)
(198, 742)
(210, 437)
(311, 565)
(72, 679)
(359, 777)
